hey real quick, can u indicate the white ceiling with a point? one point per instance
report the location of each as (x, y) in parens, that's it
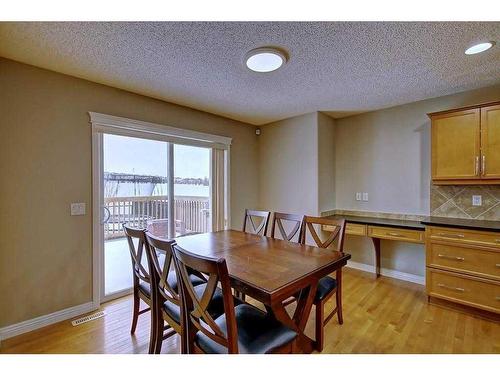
(335, 67)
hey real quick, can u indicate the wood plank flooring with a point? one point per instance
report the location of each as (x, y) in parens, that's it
(380, 316)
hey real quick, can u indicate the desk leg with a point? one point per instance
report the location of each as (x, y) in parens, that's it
(376, 244)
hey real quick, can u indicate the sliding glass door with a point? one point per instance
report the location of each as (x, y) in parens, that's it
(139, 190)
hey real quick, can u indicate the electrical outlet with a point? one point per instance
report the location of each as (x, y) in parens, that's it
(358, 196)
(77, 209)
(365, 197)
(477, 200)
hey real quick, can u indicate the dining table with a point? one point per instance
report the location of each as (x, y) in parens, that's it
(271, 271)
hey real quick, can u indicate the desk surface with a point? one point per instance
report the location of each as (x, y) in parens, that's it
(395, 223)
(487, 225)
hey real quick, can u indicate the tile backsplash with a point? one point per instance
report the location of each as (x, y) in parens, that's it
(456, 201)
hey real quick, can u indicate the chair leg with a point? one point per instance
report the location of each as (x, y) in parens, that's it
(153, 333)
(338, 296)
(320, 317)
(137, 304)
(159, 334)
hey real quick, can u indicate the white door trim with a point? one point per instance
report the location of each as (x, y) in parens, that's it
(97, 228)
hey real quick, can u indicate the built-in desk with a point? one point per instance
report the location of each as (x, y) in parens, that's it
(382, 229)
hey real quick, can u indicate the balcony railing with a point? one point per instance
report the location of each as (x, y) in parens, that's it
(192, 214)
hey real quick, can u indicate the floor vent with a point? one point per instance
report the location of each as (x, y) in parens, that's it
(88, 318)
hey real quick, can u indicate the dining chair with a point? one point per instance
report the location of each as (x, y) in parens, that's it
(251, 226)
(167, 306)
(282, 221)
(327, 286)
(241, 329)
(140, 275)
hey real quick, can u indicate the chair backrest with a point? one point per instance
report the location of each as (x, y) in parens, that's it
(198, 318)
(250, 225)
(137, 253)
(279, 219)
(337, 233)
(160, 268)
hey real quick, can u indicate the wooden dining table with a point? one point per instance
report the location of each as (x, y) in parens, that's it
(271, 271)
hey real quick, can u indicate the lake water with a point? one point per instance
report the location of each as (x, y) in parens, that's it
(131, 190)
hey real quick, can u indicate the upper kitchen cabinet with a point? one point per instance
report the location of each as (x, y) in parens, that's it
(490, 142)
(465, 145)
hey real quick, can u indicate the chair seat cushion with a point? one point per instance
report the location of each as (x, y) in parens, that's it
(258, 332)
(172, 280)
(325, 286)
(145, 288)
(215, 309)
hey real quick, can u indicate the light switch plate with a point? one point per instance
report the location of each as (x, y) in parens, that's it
(358, 196)
(365, 197)
(77, 209)
(477, 200)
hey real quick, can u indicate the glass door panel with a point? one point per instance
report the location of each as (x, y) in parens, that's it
(191, 189)
(135, 193)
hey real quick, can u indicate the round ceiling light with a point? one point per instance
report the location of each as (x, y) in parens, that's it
(264, 60)
(478, 48)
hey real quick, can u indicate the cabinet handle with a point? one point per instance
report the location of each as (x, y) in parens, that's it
(451, 287)
(394, 234)
(450, 257)
(451, 235)
(477, 166)
(483, 167)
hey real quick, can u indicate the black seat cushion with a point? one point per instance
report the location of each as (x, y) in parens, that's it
(215, 308)
(145, 288)
(258, 332)
(325, 286)
(172, 280)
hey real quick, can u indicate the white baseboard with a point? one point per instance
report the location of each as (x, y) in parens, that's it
(45, 320)
(388, 272)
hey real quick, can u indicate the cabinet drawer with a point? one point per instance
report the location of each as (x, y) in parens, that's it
(355, 229)
(471, 291)
(456, 257)
(407, 235)
(464, 236)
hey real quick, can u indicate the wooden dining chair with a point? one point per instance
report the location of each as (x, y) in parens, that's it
(140, 275)
(168, 306)
(328, 286)
(280, 220)
(241, 329)
(251, 226)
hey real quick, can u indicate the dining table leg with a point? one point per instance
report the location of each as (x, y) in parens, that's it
(300, 316)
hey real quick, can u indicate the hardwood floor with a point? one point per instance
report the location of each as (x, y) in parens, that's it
(380, 316)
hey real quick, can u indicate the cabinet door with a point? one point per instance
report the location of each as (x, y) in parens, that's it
(456, 145)
(490, 141)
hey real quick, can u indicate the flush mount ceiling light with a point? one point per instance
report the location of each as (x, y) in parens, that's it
(478, 48)
(264, 60)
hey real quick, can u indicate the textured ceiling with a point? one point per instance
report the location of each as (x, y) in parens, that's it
(336, 67)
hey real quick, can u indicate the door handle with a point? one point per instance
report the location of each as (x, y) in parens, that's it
(477, 166)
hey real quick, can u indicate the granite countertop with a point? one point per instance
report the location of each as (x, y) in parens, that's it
(395, 223)
(488, 225)
(450, 222)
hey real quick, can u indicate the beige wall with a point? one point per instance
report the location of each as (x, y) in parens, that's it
(326, 163)
(288, 165)
(45, 163)
(386, 153)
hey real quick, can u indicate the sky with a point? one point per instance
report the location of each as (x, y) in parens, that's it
(149, 157)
